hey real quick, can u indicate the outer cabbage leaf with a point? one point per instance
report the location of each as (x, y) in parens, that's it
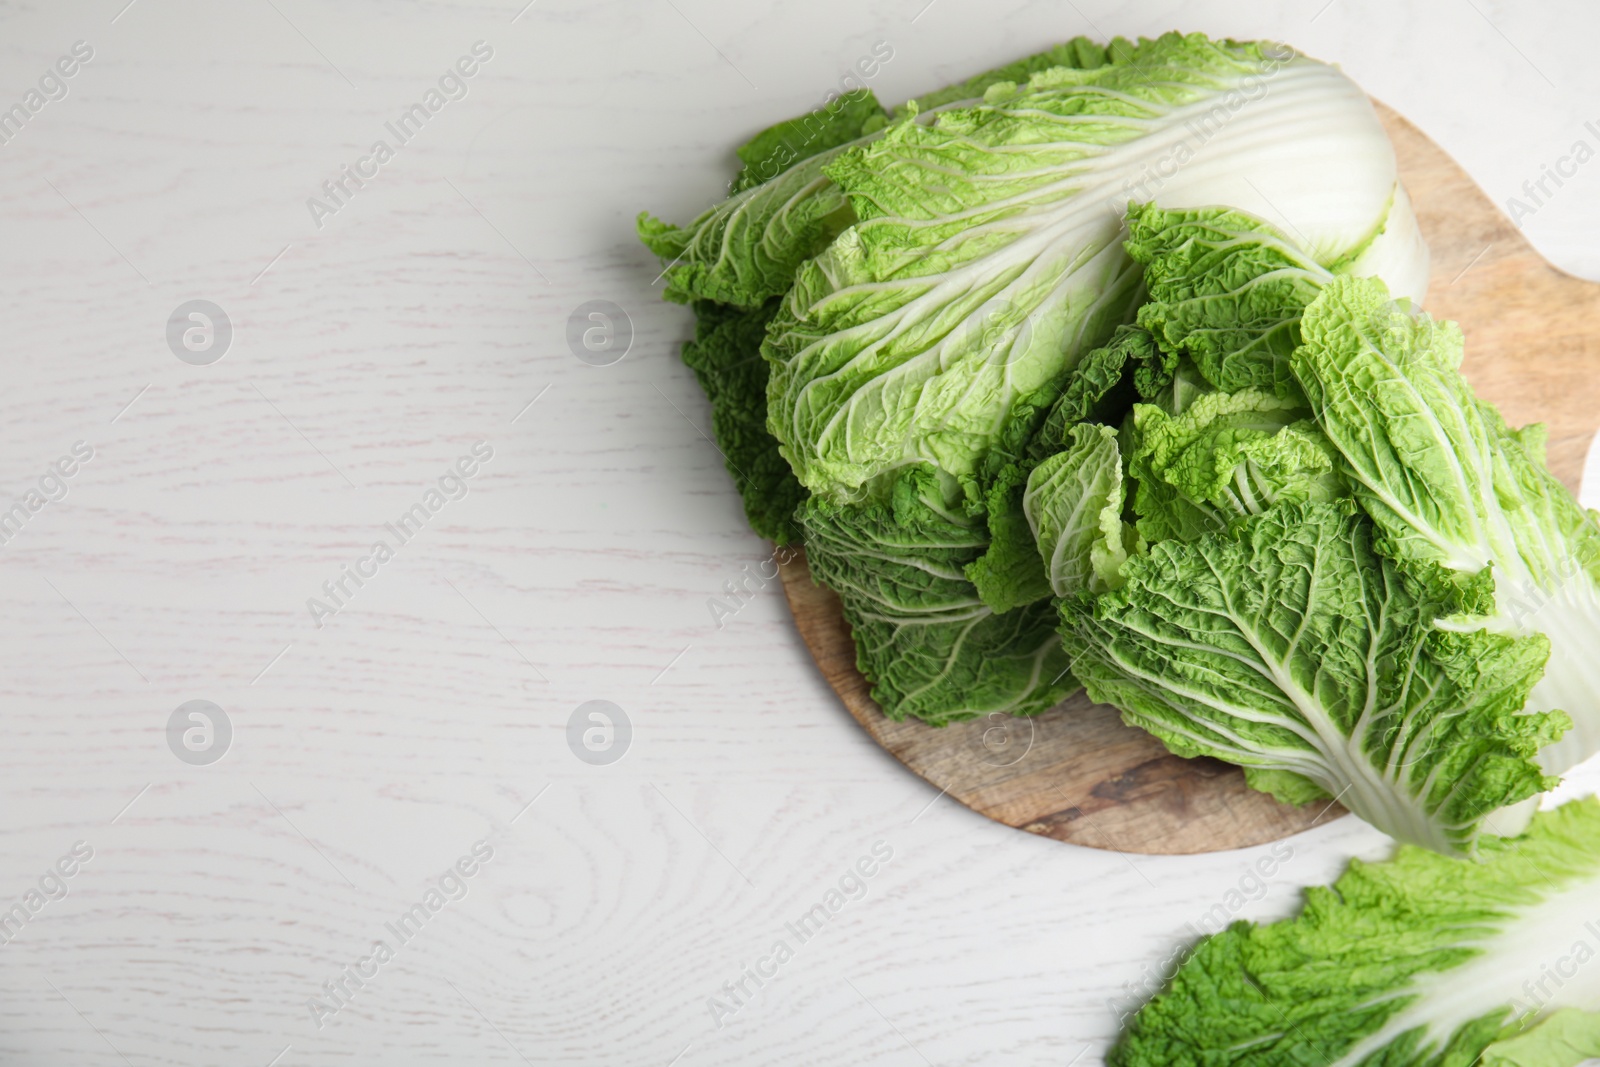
(1420, 961)
(1080, 53)
(783, 209)
(987, 255)
(745, 250)
(1449, 483)
(1288, 644)
(725, 356)
(930, 646)
(778, 147)
(1074, 508)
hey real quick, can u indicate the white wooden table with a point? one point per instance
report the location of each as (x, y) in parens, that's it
(370, 753)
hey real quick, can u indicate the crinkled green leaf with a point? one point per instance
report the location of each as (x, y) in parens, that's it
(777, 148)
(745, 250)
(1009, 574)
(1227, 290)
(1284, 786)
(1288, 643)
(1386, 386)
(725, 356)
(1449, 483)
(1103, 386)
(1225, 456)
(927, 642)
(1012, 571)
(1420, 961)
(1074, 506)
(1079, 53)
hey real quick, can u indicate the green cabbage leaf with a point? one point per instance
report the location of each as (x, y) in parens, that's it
(1420, 961)
(1450, 484)
(930, 646)
(1288, 646)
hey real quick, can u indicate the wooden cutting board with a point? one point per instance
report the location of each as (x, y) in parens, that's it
(1076, 773)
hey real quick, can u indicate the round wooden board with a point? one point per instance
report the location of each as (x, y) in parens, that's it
(1076, 773)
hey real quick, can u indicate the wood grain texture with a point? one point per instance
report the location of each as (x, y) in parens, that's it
(1076, 773)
